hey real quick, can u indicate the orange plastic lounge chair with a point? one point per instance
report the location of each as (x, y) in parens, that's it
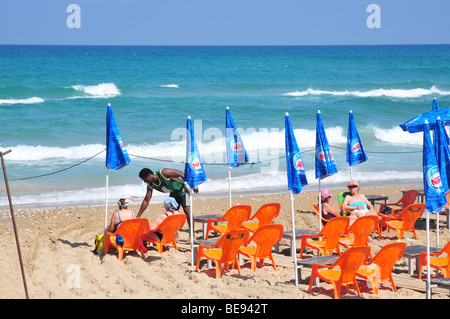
(169, 228)
(379, 268)
(225, 250)
(407, 199)
(265, 237)
(361, 230)
(439, 260)
(348, 264)
(265, 214)
(405, 220)
(316, 210)
(329, 236)
(131, 230)
(235, 217)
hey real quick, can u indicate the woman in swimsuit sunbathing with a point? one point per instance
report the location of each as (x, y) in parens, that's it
(357, 203)
(119, 216)
(171, 206)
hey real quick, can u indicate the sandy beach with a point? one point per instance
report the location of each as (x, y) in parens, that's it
(57, 246)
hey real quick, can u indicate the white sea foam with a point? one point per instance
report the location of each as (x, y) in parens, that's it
(169, 86)
(24, 153)
(390, 93)
(103, 90)
(273, 182)
(31, 100)
(396, 136)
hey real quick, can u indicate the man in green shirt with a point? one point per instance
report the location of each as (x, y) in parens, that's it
(166, 180)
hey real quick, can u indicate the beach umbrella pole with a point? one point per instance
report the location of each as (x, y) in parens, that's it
(294, 246)
(320, 207)
(229, 183)
(14, 222)
(191, 229)
(106, 198)
(428, 286)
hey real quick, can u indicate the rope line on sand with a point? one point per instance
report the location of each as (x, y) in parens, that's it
(206, 164)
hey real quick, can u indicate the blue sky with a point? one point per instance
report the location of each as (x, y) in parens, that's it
(224, 22)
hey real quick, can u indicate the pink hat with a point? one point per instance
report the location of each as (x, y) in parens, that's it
(325, 193)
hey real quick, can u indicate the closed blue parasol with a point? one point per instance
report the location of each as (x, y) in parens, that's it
(194, 174)
(325, 164)
(296, 175)
(116, 154)
(355, 149)
(434, 192)
(294, 164)
(435, 105)
(236, 153)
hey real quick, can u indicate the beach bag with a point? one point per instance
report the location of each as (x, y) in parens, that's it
(386, 210)
(98, 244)
(119, 240)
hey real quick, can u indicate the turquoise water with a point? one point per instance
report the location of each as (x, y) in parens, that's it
(53, 110)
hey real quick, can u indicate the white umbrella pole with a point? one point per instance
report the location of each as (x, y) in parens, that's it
(437, 230)
(320, 208)
(229, 183)
(106, 198)
(428, 286)
(191, 229)
(351, 173)
(294, 247)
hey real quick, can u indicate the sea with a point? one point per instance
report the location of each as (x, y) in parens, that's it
(53, 102)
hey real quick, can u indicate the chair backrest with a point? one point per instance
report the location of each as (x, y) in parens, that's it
(333, 231)
(131, 230)
(266, 213)
(351, 260)
(446, 249)
(341, 198)
(409, 198)
(410, 214)
(170, 225)
(230, 242)
(362, 228)
(237, 215)
(316, 210)
(386, 258)
(265, 237)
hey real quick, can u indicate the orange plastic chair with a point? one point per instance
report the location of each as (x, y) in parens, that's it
(438, 261)
(361, 230)
(348, 264)
(225, 250)
(316, 210)
(379, 268)
(265, 214)
(235, 217)
(131, 230)
(169, 228)
(330, 235)
(405, 220)
(407, 199)
(265, 237)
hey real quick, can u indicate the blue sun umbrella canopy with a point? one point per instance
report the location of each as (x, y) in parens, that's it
(442, 153)
(294, 163)
(194, 174)
(236, 153)
(325, 164)
(116, 154)
(416, 124)
(355, 150)
(434, 192)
